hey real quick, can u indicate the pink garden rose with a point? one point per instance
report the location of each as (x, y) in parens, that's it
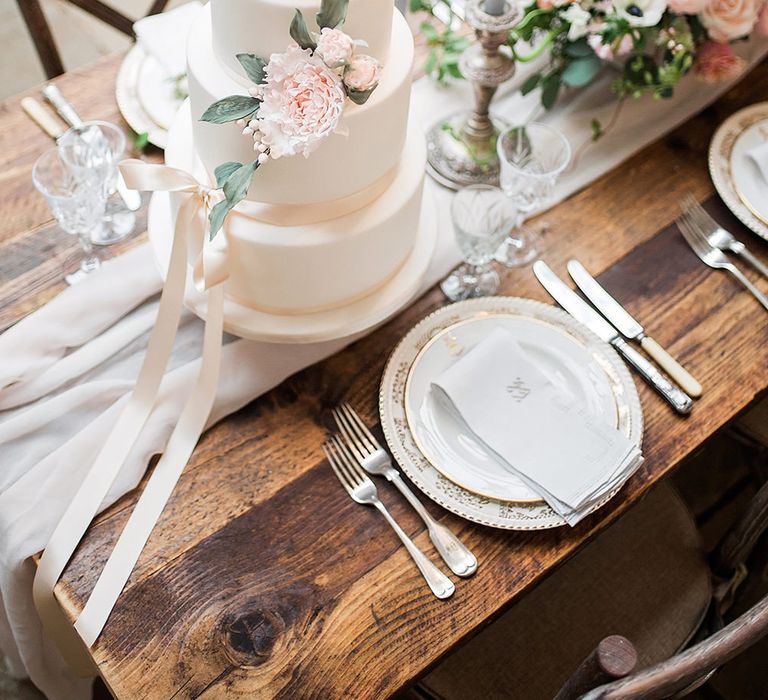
(303, 101)
(729, 19)
(607, 52)
(686, 7)
(716, 62)
(762, 20)
(362, 73)
(335, 47)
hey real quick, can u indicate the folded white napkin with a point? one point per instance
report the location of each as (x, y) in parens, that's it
(759, 154)
(569, 457)
(164, 36)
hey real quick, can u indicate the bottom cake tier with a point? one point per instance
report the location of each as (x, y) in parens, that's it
(314, 266)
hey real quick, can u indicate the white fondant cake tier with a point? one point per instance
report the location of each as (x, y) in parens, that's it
(300, 269)
(342, 165)
(261, 26)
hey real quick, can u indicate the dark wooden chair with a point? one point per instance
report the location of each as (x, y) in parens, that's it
(41, 34)
(607, 673)
(654, 597)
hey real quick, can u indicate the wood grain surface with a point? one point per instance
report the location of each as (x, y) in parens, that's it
(262, 578)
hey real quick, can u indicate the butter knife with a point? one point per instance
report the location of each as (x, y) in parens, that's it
(67, 111)
(630, 328)
(584, 313)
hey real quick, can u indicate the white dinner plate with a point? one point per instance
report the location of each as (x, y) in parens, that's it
(157, 93)
(476, 488)
(129, 103)
(736, 178)
(445, 441)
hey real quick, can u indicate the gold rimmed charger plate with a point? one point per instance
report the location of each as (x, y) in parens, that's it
(721, 165)
(514, 514)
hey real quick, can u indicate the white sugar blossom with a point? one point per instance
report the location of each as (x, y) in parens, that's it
(640, 13)
(578, 20)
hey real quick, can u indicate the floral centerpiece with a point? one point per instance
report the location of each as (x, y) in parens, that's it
(657, 42)
(298, 98)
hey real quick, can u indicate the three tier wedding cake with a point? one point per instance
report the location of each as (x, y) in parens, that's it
(299, 110)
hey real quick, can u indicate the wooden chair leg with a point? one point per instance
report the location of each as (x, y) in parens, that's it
(157, 7)
(41, 35)
(106, 14)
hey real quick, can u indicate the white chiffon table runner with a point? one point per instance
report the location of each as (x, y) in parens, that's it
(68, 368)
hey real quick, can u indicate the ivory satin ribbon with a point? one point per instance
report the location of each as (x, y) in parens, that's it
(210, 271)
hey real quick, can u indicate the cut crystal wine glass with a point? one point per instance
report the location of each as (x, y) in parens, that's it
(98, 147)
(77, 199)
(532, 158)
(482, 216)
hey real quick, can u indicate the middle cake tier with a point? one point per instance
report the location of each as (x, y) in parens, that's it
(362, 160)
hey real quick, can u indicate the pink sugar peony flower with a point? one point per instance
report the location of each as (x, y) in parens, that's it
(362, 73)
(716, 62)
(303, 101)
(762, 20)
(335, 47)
(686, 7)
(725, 20)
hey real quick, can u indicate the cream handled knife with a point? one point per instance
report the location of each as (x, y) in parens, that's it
(583, 312)
(630, 328)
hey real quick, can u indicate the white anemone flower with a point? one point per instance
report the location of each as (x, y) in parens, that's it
(640, 13)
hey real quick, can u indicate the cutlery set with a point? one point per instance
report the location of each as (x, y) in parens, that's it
(710, 242)
(354, 454)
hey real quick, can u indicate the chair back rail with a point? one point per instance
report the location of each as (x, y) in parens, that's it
(739, 541)
(664, 679)
(42, 37)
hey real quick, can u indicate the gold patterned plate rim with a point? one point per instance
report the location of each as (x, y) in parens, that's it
(436, 338)
(486, 511)
(720, 150)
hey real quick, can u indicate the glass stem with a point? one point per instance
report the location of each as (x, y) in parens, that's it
(90, 260)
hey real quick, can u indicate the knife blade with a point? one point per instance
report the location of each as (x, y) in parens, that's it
(584, 313)
(630, 328)
(67, 111)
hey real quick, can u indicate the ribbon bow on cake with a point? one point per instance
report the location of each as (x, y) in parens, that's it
(209, 259)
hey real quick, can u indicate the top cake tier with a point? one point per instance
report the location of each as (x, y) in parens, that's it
(261, 26)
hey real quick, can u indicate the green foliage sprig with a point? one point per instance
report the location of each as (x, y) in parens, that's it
(445, 44)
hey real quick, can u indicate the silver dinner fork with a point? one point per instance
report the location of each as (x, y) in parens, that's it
(362, 490)
(372, 457)
(714, 257)
(717, 235)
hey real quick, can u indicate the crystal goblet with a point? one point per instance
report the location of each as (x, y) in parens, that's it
(482, 217)
(532, 158)
(99, 146)
(76, 198)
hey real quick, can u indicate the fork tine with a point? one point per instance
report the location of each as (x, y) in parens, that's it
(350, 439)
(700, 216)
(362, 427)
(698, 244)
(359, 476)
(343, 462)
(332, 460)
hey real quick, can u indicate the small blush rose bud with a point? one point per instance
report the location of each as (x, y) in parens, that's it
(335, 47)
(362, 73)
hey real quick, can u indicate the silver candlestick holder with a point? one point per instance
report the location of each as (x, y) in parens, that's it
(461, 149)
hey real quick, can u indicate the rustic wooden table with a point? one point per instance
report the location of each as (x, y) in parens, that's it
(262, 578)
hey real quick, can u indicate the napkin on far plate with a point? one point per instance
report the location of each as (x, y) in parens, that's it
(571, 458)
(759, 154)
(164, 36)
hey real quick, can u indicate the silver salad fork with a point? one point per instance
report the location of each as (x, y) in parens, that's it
(362, 490)
(372, 457)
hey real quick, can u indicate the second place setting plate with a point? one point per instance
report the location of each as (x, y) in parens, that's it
(443, 458)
